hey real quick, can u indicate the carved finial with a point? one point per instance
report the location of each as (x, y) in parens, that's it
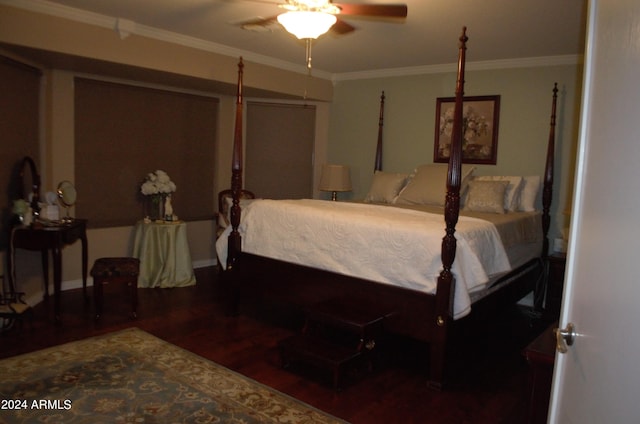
(463, 37)
(240, 74)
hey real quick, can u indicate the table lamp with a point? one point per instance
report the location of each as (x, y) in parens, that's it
(335, 178)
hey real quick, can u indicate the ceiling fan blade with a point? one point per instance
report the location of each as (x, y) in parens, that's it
(383, 10)
(257, 22)
(341, 27)
(254, 1)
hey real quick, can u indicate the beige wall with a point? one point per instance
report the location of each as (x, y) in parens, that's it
(70, 44)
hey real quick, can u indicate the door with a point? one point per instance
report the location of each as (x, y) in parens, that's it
(598, 379)
(279, 150)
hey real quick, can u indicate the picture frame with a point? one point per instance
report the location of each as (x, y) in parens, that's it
(480, 129)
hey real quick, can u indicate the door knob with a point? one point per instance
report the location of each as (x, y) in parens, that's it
(565, 337)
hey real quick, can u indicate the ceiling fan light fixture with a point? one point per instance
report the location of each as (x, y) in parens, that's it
(305, 24)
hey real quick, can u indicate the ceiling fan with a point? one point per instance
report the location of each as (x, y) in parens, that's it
(309, 19)
(325, 13)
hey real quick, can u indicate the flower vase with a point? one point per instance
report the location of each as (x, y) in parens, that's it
(156, 207)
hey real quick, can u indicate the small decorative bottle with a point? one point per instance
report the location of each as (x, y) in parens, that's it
(168, 209)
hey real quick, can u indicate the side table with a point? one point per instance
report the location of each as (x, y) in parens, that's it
(52, 238)
(163, 250)
(540, 355)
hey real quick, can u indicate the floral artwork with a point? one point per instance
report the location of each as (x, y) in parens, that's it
(479, 129)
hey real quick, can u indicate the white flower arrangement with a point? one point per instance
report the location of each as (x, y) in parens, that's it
(157, 182)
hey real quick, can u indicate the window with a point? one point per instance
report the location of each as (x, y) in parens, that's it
(123, 132)
(19, 126)
(279, 152)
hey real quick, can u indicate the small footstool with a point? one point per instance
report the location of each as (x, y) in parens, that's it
(119, 271)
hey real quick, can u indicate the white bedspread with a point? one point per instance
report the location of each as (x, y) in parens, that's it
(379, 243)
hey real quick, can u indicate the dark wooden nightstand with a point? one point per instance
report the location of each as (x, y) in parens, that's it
(555, 286)
(540, 355)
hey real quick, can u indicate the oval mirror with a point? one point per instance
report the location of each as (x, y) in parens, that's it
(67, 195)
(30, 183)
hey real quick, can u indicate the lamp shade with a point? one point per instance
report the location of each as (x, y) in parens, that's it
(335, 178)
(305, 24)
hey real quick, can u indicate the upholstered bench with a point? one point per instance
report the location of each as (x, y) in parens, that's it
(117, 271)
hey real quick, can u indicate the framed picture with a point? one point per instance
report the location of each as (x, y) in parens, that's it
(479, 129)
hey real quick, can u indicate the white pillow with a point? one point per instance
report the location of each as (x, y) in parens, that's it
(529, 193)
(427, 185)
(385, 187)
(512, 194)
(486, 196)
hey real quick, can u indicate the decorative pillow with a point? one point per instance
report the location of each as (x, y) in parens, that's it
(428, 185)
(529, 193)
(486, 196)
(512, 194)
(385, 187)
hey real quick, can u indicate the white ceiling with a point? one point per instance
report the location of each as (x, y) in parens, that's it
(497, 30)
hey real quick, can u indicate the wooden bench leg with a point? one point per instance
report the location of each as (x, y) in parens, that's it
(134, 298)
(97, 295)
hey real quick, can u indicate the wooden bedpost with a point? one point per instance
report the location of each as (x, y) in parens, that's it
(446, 282)
(378, 164)
(235, 240)
(547, 195)
(547, 188)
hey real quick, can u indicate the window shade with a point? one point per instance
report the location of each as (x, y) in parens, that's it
(279, 152)
(123, 132)
(19, 129)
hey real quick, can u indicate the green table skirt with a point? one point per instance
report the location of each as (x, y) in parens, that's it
(163, 250)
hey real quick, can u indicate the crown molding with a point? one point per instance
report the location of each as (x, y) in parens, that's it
(130, 27)
(125, 28)
(528, 62)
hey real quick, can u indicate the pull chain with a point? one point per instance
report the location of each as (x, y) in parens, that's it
(308, 60)
(308, 51)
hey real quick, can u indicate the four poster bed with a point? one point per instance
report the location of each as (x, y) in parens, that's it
(309, 251)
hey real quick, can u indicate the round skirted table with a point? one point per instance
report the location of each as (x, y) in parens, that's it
(163, 250)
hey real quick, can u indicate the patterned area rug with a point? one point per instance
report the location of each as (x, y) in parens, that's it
(133, 377)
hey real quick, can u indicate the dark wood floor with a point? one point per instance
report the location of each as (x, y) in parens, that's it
(489, 374)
